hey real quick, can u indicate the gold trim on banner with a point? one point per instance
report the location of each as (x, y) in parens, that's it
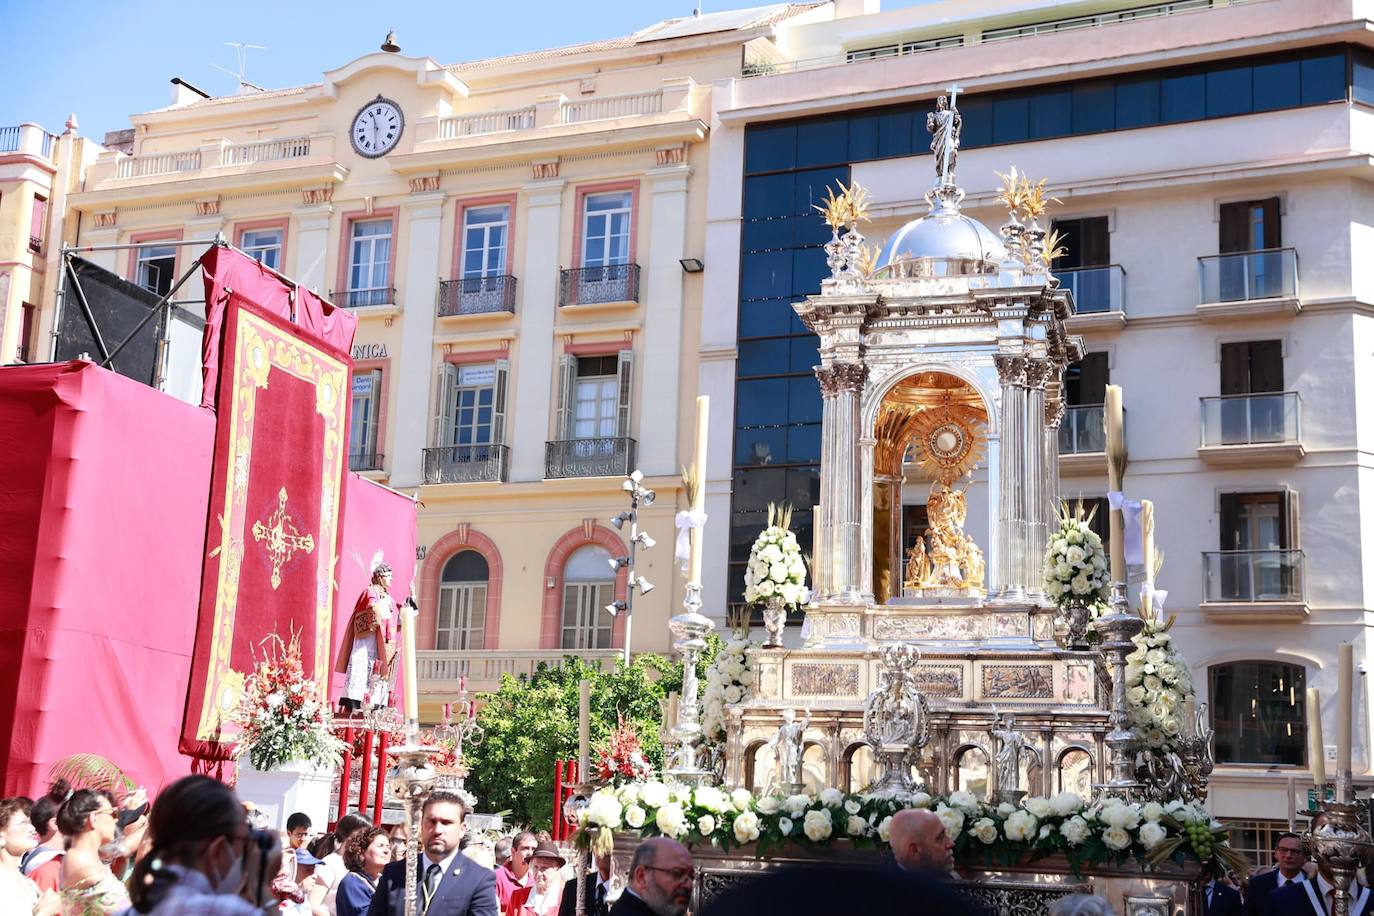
(262, 348)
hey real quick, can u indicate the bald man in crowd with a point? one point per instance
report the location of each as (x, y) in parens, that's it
(919, 842)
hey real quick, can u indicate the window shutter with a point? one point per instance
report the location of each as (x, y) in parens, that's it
(1095, 249)
(1288, 522)
(498, 414)
(1235, 368)
(38, 217)
(1235, 228)
(1273, 237)
(1266, 366)
(1230, 521)
(445, 387)
(627, 361)
(1093, 380)
(567, 369)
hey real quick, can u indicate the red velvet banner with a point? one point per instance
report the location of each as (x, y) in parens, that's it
(275, 507)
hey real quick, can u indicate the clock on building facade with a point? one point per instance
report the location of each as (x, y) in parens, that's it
(377, 128)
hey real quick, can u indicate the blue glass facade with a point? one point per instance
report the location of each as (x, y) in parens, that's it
(788, 165)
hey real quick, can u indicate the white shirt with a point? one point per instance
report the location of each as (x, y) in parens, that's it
(444, 864)
(329, 873)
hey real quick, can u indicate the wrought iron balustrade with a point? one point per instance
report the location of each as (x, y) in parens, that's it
(593, 285)
(465, 463)
(607, 456)
(358, 298)
(477, 296)
(365, 461)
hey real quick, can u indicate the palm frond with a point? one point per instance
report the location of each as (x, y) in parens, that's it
(90, 771)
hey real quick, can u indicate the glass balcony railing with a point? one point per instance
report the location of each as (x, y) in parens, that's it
(1083, 430)
(1252, 419)
(1095, 289)
(477, 296)
(1253, 575)
(1247, 275)
(607, 456)
(465, 463)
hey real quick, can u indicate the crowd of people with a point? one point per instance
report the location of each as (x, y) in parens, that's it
(198, 850)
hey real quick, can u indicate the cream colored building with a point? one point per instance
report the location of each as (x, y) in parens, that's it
(511, 234)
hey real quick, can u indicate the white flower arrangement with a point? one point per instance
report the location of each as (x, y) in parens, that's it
(1112, 830)
(1158, 685)
(776, 567)
(1076, 568)
(730, 680)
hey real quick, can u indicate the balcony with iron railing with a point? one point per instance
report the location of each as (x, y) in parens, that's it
(607, 456)
(1248, 283)
(364, 298)
(27, 138)
(482, 668)
(36, 244)
(1254, 584)
(365, 461)
(611, 284)
(1252, 430)
(488, 295)
(465, 463)
(1099, 295)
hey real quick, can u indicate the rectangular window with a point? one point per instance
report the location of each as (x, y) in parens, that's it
(586, 624)
(1254, 521)
(475, 401)
(369, 262)
(1085, 382)
(462, 615)
(1250, 225)
(363, 429)
(26, 332)
(155, 267)
(596, 397)
(1249, 370)
(263, 246)
(1086, 241)
(606, 229)
(38, 220)
(486, 233)
(1258, 713)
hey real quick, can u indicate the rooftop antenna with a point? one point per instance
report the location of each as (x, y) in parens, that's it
(241, 49)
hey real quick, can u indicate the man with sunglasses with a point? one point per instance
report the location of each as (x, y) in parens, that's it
(661, 880)
(1288, 852)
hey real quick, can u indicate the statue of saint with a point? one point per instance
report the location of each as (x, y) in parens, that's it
(368, 653)
(944, 124)
(1009, 754)
(917, 568)
(787, 746)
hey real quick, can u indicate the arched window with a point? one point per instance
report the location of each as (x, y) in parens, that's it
(462, 618)
(588, 587)
(971, 771)
(1075, 772)
(1259, 712)
(860, 768)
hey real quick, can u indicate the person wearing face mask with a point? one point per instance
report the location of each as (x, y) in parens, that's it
(89, 820)
(19, 896)
(203, 860)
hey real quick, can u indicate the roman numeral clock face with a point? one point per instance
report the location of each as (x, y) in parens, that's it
(377, 128)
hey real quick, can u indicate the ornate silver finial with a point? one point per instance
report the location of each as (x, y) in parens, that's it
(896, 721)
(788, 749)
(944, 125)
(1008, 757)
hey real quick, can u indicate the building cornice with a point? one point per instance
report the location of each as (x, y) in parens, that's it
(174, 188)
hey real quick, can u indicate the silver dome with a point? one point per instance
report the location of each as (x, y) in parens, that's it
(943, 243)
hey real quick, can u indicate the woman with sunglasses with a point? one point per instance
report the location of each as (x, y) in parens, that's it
(89, 820)
(203, 858)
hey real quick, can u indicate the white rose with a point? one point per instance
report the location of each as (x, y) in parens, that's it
(785, 826)
(831, 797)
(1064, 571)
(733, 694)
(1075, 830)
(706, 825)
(747, 678)
(885, 828)
(985, 829)
(920, 800)
(741, 799)
(1005, 808)
(1116, 838)
(604, 809)
(767, 805)
(766, 589)
(1074, 556)
(1065, 803)
(1039, 807)
(1136, 695)
(747, 827)
(952, 818)
(634, 816)
(796, 804)
(654, 794)
(1020, 826)
(1080, 585)
(1152, 811)
(856, 826)
(1151, 834)
(965, 800)
(671, 820)
(852, 806)
(817, 825)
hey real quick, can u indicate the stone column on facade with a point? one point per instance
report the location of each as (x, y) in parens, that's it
(414, 372)
(1037, 478)
(869, 491)
(823, 556)
(199, 229)
(1008, 582)
(309, 248)
(539, 313)
(660, 385)
(846, 486)
(1054, 418)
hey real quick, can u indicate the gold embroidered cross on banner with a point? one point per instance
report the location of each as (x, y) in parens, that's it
(283, 538)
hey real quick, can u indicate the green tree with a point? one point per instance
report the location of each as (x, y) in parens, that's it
(530, 724)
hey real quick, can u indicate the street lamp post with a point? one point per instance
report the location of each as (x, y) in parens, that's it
(639, 496)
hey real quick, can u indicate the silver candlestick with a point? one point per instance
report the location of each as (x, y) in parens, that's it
(1341, 847)
(410, 781)
(1118, 628)
(689, 631)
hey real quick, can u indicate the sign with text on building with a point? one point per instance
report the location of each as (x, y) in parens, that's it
(369, 351)
(362, 384)
(476, 376)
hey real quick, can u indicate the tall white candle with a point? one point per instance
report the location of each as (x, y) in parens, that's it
(1116, 448)
(1345, 669)
(1316, 751)
(584, 728)
(699, 500)
(1147, 531)
(409, 617)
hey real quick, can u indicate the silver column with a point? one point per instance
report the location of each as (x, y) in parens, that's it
(866, 446)
(1009, 577)
(1037, 478)
(823, 556)
(848, 380)
(1054, 416)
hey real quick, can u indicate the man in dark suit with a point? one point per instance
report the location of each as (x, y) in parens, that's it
(920, 843)
(595, 898)
(661, 879)
(1316, 897)
(1220, 899)
(1288, 852)
(448, 883)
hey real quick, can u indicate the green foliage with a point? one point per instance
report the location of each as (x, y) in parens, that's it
(530, 724)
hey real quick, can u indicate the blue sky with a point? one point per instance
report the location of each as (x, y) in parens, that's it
(106, 60)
